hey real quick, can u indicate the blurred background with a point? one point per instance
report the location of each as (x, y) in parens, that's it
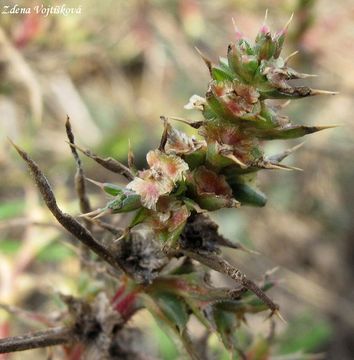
(115, 69)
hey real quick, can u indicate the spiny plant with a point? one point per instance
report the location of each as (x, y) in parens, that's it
(162, 261)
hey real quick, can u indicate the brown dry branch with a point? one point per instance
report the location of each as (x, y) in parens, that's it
(201, 241)
(217, 263)
(67, 221)
(80, 185)
(54, 336)
(108, 163)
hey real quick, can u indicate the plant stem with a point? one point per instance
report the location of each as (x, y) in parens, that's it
(219, 264)
(54, 336)
(79, 176)
(109, 163)
(67, 221)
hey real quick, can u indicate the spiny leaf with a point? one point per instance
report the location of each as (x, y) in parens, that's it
(110, 189)
(293, 93)
(281, 156)
(248, 195)
(225, 324)
(289, 132)
(166, 312)
(207, 62)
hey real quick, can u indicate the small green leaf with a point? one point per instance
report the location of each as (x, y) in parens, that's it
(212, 202)
(171, 237)
(292, 92)
(124, 203)
(247, 193)
(225, 323)
(167, 348)
(171, 314)
(112, 189)
(195, 159)
(174, 308)
(219, 74)
(139, 217)
(218, 107)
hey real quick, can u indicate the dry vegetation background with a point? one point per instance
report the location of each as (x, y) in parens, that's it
(114, 70)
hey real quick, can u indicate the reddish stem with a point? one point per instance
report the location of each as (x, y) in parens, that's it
(123, 301)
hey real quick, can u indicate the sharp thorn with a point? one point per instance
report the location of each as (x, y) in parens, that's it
(323, 92)
(280, 157)
(296, 147)
(288, 23)
(208, 63)
(91, 213)
(125, 233)
(270, 272)
(324, 127)
(304, 75)
(265, 17)
(13, 144)
(248, 250)
(290, 56)
(103, 213)
(279, 316)
(239, 34)
(287, 102)
(75, 146)
(236, 160)
(195, 124)
(275, 312)
(97, 183)
(290, 168)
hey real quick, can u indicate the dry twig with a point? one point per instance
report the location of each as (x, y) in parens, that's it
(67, 221)
(79, 176)
(54, 336)
(108, 163)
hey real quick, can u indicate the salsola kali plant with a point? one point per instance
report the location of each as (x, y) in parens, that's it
(162, 260)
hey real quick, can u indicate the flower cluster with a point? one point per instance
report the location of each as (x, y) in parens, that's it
(186, 175)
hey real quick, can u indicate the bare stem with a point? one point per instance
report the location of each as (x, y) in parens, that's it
(219, 264)
(67, 221)
(79, 176)
(50, 337)
(80, 187)
(164, 134)
(109, 163)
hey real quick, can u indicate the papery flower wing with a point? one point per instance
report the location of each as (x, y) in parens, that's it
(169, 166)
(195, 102)
(150, 190)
